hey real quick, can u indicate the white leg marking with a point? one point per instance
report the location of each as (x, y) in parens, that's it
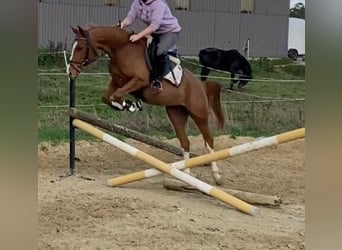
(214, 167)
(118, 105)
(186, 156)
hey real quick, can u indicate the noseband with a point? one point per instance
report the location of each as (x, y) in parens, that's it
(87, 60)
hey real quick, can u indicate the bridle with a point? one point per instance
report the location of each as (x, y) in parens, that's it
(86, 60)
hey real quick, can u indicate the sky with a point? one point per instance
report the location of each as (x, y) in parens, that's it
(293, 2)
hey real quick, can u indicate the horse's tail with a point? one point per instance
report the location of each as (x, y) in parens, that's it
(213, 90)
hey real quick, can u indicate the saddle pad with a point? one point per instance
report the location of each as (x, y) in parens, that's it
(177, 73)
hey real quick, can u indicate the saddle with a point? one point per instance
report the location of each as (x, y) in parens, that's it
(171, 70)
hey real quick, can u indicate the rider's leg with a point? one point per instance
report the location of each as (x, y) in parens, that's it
(159, 72)
(166, 42)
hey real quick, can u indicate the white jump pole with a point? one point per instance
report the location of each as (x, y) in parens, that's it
(218, 155)
(166, 168)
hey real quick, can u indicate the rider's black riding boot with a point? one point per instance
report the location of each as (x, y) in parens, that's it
(159, 70)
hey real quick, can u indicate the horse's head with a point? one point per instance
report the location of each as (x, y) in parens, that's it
(82, 53)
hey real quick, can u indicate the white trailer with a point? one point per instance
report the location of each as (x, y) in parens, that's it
(296, 38)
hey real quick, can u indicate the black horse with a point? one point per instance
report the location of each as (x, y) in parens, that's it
(225, 60)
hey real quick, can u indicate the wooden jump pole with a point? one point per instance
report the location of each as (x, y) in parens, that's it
(218, 155)
(110, 126)
(166, 168)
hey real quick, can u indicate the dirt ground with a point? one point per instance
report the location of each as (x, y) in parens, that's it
(76, 213)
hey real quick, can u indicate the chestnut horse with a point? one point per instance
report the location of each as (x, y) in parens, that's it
(130, 75)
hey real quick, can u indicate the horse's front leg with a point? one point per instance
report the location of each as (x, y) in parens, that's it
(117, 97)
(112, 87)
(114, 84)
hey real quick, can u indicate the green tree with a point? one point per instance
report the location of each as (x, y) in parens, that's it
(298, 11)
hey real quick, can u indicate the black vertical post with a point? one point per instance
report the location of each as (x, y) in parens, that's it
(71, 127)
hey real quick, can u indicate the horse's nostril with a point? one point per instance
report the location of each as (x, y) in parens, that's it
(71, 76)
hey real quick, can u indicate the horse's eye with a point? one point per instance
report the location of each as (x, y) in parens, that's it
(79, 48)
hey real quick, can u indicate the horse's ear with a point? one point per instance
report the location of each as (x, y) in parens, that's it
(82, 31)
(74, 30)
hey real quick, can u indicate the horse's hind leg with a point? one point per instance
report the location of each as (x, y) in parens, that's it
(204, 73)
(235, 73)
(243, 80)
(202, 125)
(178, 116)
(233, 80)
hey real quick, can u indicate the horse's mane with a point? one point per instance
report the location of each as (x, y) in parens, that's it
(90, 26)
(96, 26)
(93, 26)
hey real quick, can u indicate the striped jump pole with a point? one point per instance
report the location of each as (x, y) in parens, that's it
(218, 155)
(166, 168)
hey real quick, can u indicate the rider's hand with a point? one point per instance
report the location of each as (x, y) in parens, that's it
(134, 38)
(124, 23)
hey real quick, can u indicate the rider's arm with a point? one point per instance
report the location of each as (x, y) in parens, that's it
(146, 32)
(132, 15)
(157, 15)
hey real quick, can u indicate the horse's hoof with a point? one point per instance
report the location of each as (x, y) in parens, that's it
(139, 105)
(118, 106)
(132, 108)
(218, 179)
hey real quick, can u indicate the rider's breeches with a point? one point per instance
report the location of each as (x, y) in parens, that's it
(166, 42)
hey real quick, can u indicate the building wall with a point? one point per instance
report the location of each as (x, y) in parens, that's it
(208, 23)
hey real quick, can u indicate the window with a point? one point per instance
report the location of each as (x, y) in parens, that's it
(247, 6)
(112, 2)
(182, 4)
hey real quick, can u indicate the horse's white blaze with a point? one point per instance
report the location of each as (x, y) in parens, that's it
(68, 69)
(73, 49)
(72, 54)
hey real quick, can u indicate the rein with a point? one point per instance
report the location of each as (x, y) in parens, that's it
(87, 60)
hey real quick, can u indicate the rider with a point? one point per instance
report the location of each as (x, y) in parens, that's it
(161, 24)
